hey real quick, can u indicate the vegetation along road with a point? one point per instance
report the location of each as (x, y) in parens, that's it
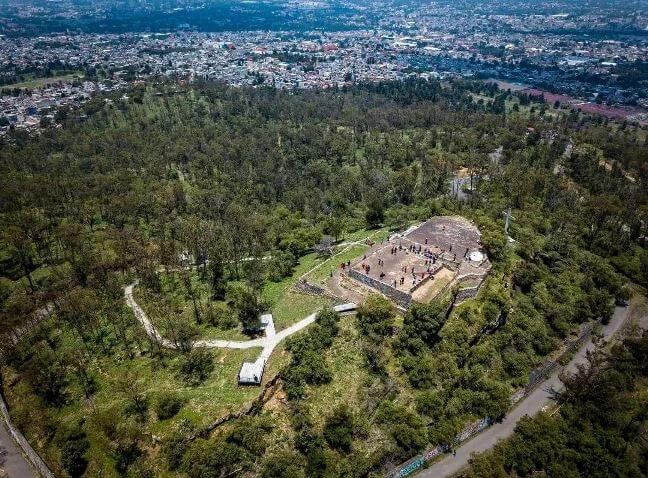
(531, 405)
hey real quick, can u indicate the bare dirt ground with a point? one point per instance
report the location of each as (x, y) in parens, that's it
(432, 289)
(411, 262)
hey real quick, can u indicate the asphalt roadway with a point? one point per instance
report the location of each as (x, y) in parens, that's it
(16, 465)
(530, 405)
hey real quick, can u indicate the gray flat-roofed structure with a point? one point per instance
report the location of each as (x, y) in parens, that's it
(251, 373)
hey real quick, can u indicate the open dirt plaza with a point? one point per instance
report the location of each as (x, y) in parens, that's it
(424, 261)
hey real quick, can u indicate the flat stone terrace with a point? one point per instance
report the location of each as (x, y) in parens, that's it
(410, 262)
(451, 234)
(398, 264)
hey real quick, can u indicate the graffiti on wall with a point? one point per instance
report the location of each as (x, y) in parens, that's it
(537, 376)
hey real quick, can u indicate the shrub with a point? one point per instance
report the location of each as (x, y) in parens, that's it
(429, 403)
(174, 448)
(214, 458)
(409, 438)
(250, 434)
(248, 306)
(328, 320)
(340, 428)
(308, 365)
(220, 316)
(285, 464)
(196, 366)
(167, 406)
(126, 450)
(376, 317)
(73, 449)
(280, 266)
(419, 371)
(313, 368)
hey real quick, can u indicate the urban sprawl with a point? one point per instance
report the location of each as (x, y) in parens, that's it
(41, 74)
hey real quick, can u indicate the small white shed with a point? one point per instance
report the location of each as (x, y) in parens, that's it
(251, 373)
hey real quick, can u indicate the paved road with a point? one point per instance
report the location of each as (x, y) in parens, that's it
(530, 405)
(16, 465)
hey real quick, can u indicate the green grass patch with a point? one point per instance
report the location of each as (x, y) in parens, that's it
(347, 365)
(362, 234)
(43, 82)
(218, 395)
(322, 273)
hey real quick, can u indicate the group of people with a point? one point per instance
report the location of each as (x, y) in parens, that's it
(343, 266)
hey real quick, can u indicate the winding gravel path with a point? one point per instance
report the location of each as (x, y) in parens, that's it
(267, 343)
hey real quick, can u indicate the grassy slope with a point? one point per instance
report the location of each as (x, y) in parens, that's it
(42, 82)
(219, 394)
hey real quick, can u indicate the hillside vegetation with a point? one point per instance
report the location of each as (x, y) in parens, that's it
(215, 199)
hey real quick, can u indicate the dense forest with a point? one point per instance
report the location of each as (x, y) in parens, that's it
(241, 185)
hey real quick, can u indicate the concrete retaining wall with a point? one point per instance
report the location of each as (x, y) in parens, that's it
(469, 292)
(537, 376)
(465, 294)
(34, 459)
(401, 298)
(427, 277)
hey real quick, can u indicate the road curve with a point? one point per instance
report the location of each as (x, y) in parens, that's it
(530, 405)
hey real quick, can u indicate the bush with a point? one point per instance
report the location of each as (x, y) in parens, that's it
(196, 366)
(429, 403)
(73, 450)
(280, 265)
(443, 432)
(137, 405)
(214, 458)
(250, 434)
(73, 457)
(328, 320)
(409, 438)
(285, 464)
(340, 428)
(424, 321)
(248, 306)
(126, 450)
(623, 295)
(419, 371)
(314, 369)
(376, 317)
(308, 365)
(220, 316)
(376, 358)
(174, 448)
(306, 440)
(321, 463)
(167, 406)
(300, 240)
